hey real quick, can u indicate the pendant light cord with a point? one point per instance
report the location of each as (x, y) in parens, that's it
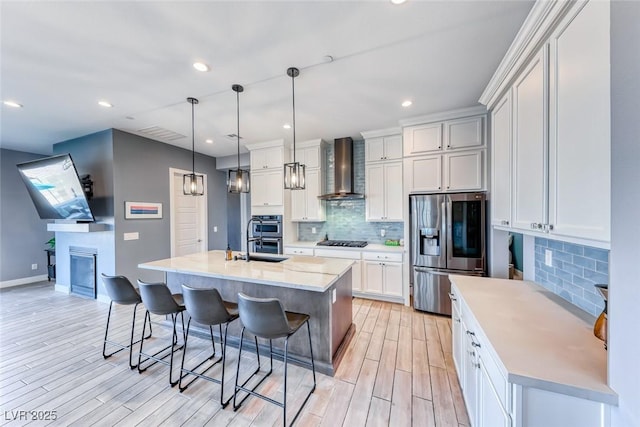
(238, 121)
(293, 90)
(193, 141)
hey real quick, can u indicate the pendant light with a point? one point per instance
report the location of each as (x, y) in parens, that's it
(238, 180)
(192, 184)
(294, 171)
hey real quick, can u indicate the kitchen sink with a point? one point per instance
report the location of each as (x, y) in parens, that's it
(266, 258)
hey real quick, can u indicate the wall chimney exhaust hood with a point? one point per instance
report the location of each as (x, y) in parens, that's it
(343, 172)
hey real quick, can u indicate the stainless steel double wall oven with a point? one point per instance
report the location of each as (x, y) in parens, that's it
(447, 237)
(269, 229)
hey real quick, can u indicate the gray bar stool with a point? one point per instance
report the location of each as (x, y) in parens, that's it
(157, 299)
(265, 318)
(121, 291)
(207, 307)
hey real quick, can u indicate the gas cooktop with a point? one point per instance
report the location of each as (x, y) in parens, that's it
(343, 243)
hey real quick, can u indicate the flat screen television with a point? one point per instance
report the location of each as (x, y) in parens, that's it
(56, 189)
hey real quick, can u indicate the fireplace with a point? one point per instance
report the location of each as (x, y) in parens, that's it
(83, 271)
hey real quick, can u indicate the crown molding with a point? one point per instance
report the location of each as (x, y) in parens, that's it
(534, 32)
(445, 115)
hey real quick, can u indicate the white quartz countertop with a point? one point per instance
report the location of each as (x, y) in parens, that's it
(297, 272)
(541, 340)
(371, 247)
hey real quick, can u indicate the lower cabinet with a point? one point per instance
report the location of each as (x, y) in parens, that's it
(492, 401)
(374, 275)
(382, 274)
(489, 411)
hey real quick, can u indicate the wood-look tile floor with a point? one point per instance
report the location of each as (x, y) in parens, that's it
(397, 370)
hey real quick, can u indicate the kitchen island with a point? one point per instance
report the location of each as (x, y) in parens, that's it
(320, 287)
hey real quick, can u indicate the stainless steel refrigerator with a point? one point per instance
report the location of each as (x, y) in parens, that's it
(447, 237)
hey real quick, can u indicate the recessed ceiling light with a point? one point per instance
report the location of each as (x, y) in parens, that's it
(407, 103)
(209, 141)
(105, 104)
(13, 104)
(201, 66)
(398, 1)
(286, 126)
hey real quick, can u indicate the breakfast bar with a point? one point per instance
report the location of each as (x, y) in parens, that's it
(319, 287)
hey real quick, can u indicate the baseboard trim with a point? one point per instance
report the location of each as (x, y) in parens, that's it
(23, 281)
(62, 288)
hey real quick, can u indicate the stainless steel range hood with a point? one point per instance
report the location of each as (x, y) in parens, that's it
(343, 172)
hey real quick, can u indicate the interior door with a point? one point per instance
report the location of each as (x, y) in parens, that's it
(188, 220)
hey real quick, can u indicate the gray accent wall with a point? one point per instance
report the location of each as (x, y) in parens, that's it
(92, 154)
(23, 235)
(624, 290)
(141, 174)
(345, 220)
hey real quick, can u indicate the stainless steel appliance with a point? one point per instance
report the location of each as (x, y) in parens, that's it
(447, 236)
(266, 226)
(266, 232)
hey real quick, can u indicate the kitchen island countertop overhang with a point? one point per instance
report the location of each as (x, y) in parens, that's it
(319, 287)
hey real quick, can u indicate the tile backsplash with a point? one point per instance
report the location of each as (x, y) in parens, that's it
(346, 219)
(574, 272)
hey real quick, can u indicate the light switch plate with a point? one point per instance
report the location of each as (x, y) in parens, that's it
(333, 296)
(132, 236)
(548, 258)
(313, 230)
(215, 228)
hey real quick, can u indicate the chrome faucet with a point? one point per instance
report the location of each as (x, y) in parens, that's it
(253, 239)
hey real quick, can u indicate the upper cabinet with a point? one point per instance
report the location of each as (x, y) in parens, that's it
(580, 126)
(305, 205)
(464, 133)
(266, 158)
(447, 155)
(529, 162)
(467, 132)
(555, 119)
(501, 135)
(383, 148)
(383, 175)
(422, 139)
(267, 177)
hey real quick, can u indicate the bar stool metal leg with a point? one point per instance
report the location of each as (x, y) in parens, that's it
(241, 386)
(171, 348)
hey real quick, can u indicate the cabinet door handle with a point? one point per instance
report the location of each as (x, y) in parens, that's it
(475, 344)
(452, 297)
(470, 333)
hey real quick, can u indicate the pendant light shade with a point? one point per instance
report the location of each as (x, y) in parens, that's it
(238, 180)
(294, 173)
(193, 184)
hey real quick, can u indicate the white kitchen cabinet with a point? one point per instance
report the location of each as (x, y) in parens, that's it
(356, 276)
(470, 380)
(382, 273)
(579, 143)
(267, 188)
(463, 170)
(310, 157)
(529, 152)
(464, 133)
(457, 335)
(266, 158)
(423, 174)
(455, 171)
(305, 205)
(490, 412)
(384, 191)
(422, 139)
(501, 143)
(373, 277)
(288, 250)
(383, 148)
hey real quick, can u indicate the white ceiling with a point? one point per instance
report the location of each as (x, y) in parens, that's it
(59, 59)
